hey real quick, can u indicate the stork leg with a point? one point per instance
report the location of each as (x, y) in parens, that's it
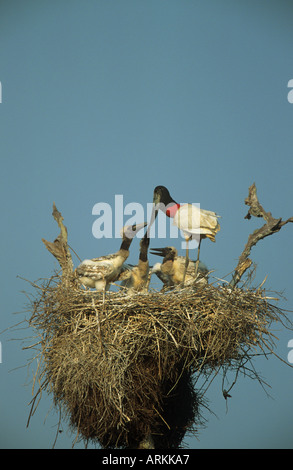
(101, 289)
(186, 261)
(148, 281)
(197, 260)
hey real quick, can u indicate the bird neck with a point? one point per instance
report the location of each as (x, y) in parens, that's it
(167, 266)
(169, 257)
(143, 267)
(121, 256)
(143, 256)
(144, 244)
(124, 247)
(171, 209)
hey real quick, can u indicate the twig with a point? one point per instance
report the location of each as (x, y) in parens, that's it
(271, 226)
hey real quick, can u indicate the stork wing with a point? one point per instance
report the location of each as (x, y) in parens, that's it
(195, 221)
(125, 272)
(96, 269)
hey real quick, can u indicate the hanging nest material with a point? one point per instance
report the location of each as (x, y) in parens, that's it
(123, 371)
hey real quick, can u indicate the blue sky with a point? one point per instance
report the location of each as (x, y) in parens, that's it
(104, 97)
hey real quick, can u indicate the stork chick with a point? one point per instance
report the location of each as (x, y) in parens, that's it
(100, 272)
(135, 279)
(165, 278)
(171, 271)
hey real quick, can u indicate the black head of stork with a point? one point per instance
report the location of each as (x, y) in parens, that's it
(168, 252)
(162, 200)
(128, 232)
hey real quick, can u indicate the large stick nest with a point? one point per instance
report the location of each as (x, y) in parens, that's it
(123, 369)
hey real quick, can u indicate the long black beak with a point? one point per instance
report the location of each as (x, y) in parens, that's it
(159, 251)
(156, 203)
(153, 218)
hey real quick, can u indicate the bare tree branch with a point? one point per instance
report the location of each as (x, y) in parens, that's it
(271, 226)
(59, 248)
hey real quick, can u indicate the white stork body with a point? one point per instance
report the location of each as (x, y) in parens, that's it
(195, 222)
(100, 272)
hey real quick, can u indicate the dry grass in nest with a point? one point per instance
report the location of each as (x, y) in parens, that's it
(124, 369)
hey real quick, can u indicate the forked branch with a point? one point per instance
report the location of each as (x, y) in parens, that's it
(271, 226)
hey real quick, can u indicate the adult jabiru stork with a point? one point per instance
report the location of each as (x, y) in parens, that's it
(171, 270)
(194, 222)
(100, 272)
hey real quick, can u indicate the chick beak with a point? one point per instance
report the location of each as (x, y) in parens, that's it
(131, 230)
(158, 251)
(137, 227)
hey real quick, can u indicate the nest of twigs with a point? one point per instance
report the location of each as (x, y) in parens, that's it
(122, 370)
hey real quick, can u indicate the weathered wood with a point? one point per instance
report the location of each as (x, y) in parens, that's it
(59, 248)
(271, 226)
